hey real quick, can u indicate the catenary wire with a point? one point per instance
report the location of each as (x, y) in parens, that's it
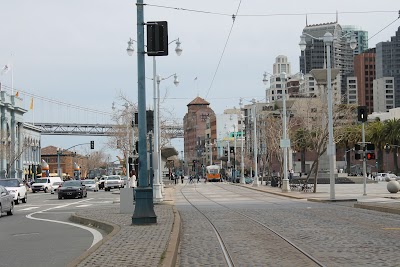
(383, 29)
(223, 51)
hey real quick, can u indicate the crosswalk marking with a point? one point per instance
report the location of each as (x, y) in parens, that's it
(81, 206)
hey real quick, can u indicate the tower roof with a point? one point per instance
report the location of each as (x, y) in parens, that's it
(198, 101)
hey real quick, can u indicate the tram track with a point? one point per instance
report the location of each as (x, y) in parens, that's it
(229, 257)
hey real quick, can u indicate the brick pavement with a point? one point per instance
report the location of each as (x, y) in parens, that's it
(132, 245)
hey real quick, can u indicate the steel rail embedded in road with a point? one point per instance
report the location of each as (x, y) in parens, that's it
(257, 222)
(227, 256)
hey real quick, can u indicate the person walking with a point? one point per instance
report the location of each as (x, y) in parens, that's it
(132, 179)
(182, 177)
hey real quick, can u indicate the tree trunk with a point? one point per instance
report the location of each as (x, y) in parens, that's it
(316, 177)
(380, 159)
(303, 160)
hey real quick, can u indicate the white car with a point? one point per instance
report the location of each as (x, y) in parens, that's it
(55, 186)
(91, 185)
(16, 188)
(385, 176)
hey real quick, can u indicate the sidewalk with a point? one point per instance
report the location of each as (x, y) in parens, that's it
(377, 198)
(132, 245)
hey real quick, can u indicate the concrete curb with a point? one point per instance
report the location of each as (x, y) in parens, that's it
(110, 228)
(377, 208)
(327, 200)
(269, 192)
(171, 253)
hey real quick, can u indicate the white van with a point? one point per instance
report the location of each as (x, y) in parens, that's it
(44, 184)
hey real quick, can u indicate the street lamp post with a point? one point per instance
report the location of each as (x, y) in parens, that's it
(331, 150)
(157, 137)
(242, 180)
(144, 210)
(234, 153)
(285, 142)
(255, 149)
(59, 152)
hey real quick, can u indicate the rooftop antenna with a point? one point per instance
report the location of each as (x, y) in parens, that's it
(337, 15)
(307, 22)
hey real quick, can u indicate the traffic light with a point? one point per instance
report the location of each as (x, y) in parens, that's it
(157, 38)
(357, 156)
(362, 113)
(357, 147)
(370, 147)
(232, 150)
(150, 120)
(91, 144)
(370, 156)
(226, 152)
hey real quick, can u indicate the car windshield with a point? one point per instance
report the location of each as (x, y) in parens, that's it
(41, 181)
(113, 178)
(88, 182)
(9, 183)
(72, 183)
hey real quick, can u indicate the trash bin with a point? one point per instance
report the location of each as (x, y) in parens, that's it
(274, 181)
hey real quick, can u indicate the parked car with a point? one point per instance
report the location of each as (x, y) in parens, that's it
(44, 184)
(101, 182)
(91, 184)
(55, 186)
(16, 188)
(385, 176)
(113, 181)
(125, 180)
(6, 202)
(72, 188)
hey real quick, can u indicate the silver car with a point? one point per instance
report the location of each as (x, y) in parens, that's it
(91, 184)
(6, 201)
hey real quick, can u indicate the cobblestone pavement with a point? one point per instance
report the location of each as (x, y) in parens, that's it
(133, 245)
(336, 235)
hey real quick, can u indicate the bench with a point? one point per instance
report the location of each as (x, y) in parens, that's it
(301, 184)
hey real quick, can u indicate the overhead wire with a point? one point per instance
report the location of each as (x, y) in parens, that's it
(271, 14)
(383, 28)
(22, 92)
(223, 51)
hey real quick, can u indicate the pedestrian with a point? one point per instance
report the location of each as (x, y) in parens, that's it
(174, 178)
(132, 180)
(198, 178)
(182, 177)
(190, 179)
(291, 172)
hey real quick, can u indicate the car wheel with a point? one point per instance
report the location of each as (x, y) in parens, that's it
(1, 211)
(85, 195)
(16, 202)
(25, 199)
(59, 197)
(33, 191)
(45, 190)
(11, 211)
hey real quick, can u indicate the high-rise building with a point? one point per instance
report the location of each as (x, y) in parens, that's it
(360, 35)
(276, 84)
(364, 72)
(384, 94)
(388, 64)
(314, 56)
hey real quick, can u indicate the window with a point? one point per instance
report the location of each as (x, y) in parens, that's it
(311, 83)
(278, 85)
(389, 86)
(352, 81)
(388, 81)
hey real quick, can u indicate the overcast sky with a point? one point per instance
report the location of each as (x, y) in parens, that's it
(75, 51)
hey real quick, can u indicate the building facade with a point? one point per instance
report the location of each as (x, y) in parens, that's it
(11, 136)
(314, 56)
(194, 127)
(384, 94)
(388, 63)
(31, 155)
(360, 35)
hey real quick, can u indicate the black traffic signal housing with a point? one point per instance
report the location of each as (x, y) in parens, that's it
(225, 152)
(91, 144)
(362, 113)
(370, 156)
(157, 38)
(232, 150)
(370, 147)
(150, 120)
(358, 156)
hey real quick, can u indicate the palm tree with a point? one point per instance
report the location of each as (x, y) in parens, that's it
(392, 136)
(375, 134)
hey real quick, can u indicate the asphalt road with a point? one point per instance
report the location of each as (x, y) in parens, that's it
(40, 234)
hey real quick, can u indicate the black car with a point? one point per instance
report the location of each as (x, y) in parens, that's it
(72, 188)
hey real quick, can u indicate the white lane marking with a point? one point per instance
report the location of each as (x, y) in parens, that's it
(96, 234)
(30, 208)
(26, 234)
(81, 206)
